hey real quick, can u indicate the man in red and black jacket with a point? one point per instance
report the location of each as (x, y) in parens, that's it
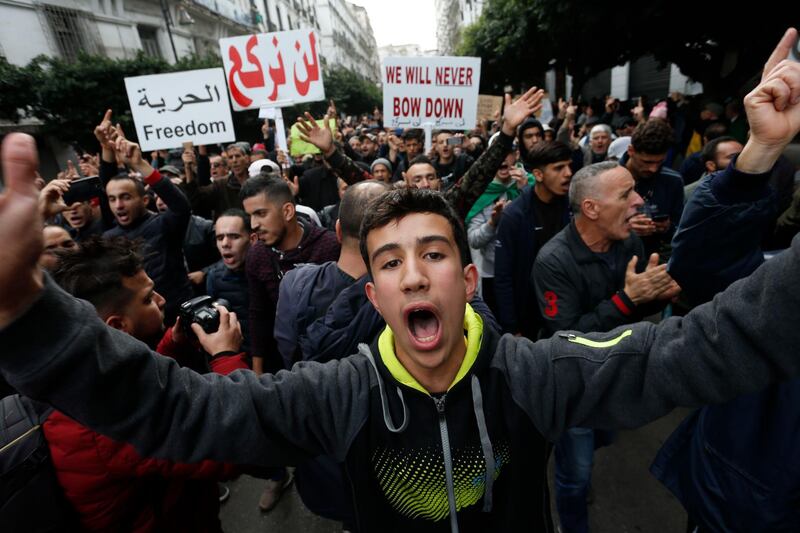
(109, 483)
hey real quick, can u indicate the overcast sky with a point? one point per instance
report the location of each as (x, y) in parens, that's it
(403, 22)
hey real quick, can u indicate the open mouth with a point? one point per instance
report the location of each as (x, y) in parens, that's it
(228, 258)
(122, 217)
(424, 326)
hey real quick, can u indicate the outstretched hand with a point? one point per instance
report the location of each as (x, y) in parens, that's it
(515, 113)
(310, 132)
(21, 279)
(773, 109)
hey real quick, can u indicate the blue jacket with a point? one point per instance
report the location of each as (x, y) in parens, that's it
(231, 285)
(304, 295)
(514, 254)
(735, 466)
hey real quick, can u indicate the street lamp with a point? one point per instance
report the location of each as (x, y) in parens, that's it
(168, 21)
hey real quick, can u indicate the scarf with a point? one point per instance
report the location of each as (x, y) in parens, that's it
(494, 191)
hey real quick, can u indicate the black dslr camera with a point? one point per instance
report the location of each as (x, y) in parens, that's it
(201, 311)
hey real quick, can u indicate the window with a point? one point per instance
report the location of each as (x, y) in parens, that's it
(149, 37)
(68, 30)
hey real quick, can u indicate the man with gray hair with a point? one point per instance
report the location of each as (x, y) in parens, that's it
(594, 276)
(222, 194)
(599, 141)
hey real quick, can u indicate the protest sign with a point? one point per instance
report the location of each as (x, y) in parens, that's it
(545, 114)
(488, 106)
(273, 69)
(298, 146)
(170, 109)
(442, 91)
(275, 113)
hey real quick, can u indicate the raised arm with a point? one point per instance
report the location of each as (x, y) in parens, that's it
(116, 385)
(472, 184)
(739, 343)
(322, 138)
(178, 210)
(719, 236)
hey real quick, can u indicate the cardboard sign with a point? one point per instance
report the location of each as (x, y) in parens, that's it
(273, 69)
(442, 91)
(171, 109)
(488, 105)
(298, 146)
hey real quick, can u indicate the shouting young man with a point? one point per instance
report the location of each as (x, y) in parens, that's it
(440, 424)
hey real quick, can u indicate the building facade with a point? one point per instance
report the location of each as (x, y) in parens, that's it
(169, 29)
(120, 28)
(346, 42)
(452, 16)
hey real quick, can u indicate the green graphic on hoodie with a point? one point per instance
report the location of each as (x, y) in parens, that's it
(413, 480)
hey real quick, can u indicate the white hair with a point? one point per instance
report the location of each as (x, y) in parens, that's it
(600, 127)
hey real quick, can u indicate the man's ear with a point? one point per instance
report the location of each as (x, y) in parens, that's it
(119, 322)
(710, 167)
(405, 179)
(471, 278)
(538, 175)
(289, 211)
(338, 232)
(146, 199)
(372, 296)
(589, 209)
(630, 150)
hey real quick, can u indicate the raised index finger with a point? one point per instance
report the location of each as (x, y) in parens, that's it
(781, 51)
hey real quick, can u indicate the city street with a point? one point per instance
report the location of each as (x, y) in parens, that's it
(626, 497)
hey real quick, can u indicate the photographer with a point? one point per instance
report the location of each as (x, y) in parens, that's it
(108, 482)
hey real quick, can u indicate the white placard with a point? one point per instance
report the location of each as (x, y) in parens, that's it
(276, 114)
(439, 90)
(273, 69)
(170, 109)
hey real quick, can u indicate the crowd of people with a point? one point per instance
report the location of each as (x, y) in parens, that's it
(518, 288)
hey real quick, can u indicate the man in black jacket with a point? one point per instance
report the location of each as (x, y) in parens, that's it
(527, 224)
(586, 280)
(162, 233)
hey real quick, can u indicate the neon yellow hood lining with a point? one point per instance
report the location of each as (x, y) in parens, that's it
(473, 324)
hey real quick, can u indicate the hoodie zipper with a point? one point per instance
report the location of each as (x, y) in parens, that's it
(448, 462)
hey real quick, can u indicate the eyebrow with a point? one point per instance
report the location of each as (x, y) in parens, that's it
(428, 239)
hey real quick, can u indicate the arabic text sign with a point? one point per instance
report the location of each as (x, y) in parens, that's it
(277, 69)
(438, 90)
(170, 109)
